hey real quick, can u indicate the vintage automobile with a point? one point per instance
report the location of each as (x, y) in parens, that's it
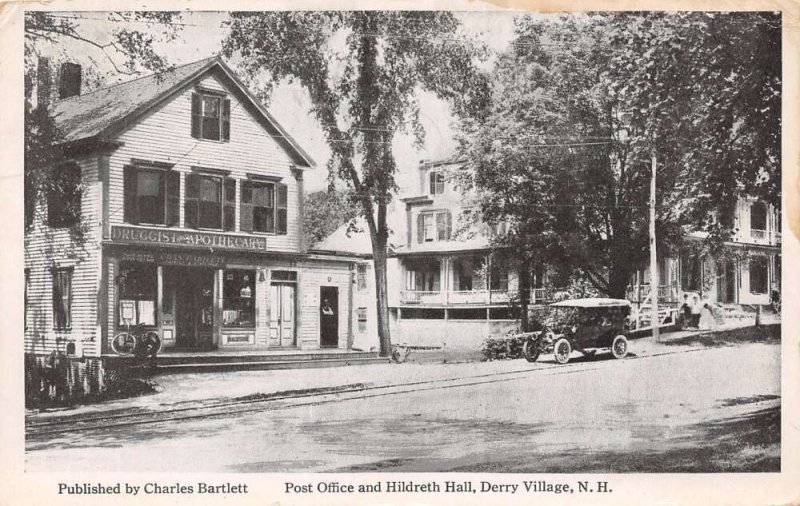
(585, 325)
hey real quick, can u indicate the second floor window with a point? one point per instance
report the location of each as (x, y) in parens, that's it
(758, 220)
(434, 226)
(152, 196)
(436, 182)
(211, 117)
(264, 207)
(64, 196)
(205, 205)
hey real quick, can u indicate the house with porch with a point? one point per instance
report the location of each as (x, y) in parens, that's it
(746, 275)
(181, 212)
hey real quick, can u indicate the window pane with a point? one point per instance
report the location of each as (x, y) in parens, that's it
(210, 215)
(209, 189)
(211, 106)
(758, 275)
(149, 183)
(211, 128)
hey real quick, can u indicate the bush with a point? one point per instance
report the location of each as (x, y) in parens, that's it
(505, 347)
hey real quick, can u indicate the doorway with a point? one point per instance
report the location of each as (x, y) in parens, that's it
(282, 315)
(726, 281)
(192, 290)
(329, 316)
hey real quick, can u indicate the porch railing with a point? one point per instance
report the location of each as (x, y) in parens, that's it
(422, 297)
(666, 293)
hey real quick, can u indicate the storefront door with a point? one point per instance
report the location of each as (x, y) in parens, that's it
(193, 290)
(329, 316)
(282, 314)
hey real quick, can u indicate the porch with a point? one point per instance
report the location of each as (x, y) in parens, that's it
(472, 297)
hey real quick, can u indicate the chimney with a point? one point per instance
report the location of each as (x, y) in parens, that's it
(70, 83)
(44, 83)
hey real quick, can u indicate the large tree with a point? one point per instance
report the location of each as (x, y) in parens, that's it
(582, 102)
(363, 71)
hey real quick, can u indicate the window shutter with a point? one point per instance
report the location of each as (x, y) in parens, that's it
(449, 229)
(196, 115)
(129, 195)
(191, 201)
(229, 205)
(226, 119)
(173, 189)
(432, 176)
(282, 201)
(420, 228)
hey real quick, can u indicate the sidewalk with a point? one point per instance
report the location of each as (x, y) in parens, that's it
(197, 389)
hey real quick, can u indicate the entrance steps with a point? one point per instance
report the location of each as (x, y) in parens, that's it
(183, 362)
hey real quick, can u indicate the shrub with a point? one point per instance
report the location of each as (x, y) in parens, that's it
(505, 347)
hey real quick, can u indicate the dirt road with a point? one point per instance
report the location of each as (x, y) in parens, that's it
(715, 409)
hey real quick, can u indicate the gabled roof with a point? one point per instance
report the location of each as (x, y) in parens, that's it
(353, 242)
(106, 112)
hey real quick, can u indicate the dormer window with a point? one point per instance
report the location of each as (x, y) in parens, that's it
(211, 116)
(436, 182)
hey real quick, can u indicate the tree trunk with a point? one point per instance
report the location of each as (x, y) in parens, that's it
(382, 299)
(524, 296)
(618, 280)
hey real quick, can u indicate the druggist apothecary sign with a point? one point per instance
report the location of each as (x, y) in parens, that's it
(193, 239)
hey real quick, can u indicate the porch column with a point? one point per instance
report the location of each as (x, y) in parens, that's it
(160, 299)
(489, 280)
(446, 282)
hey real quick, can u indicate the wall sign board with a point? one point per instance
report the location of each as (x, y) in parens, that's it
(187, 238)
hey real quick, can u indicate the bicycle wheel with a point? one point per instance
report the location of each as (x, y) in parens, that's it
(151, 343)
(123, 343)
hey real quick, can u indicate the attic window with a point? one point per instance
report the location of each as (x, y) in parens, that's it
(211, 117)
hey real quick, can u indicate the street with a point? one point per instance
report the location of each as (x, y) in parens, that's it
(693, 410)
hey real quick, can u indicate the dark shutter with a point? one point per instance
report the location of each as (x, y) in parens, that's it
(226, 119)
(432, 182)
(229, 205)
(246, 208)
(449, 229)
(130, 213)
(191, 201)
(196, 115)
(420, 228)
(282, 204)
(173, 189)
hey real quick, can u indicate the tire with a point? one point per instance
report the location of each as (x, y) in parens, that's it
(151, 344)
(619, 347)
(123, 343)
(530, 350)
(562, 350)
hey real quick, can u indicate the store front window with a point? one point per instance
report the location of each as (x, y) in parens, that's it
(238, 298)
(138, 292)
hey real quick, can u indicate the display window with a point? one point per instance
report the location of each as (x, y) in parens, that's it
(138, 293)
(238, 298)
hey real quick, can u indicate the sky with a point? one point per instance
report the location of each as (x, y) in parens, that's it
(202, 35)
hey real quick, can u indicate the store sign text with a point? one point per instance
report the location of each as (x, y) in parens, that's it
(194, 239)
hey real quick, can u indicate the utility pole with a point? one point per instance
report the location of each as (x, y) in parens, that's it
(653, 254)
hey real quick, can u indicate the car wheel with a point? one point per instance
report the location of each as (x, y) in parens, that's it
(530, 350)
(562, 350)
(619, 348)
